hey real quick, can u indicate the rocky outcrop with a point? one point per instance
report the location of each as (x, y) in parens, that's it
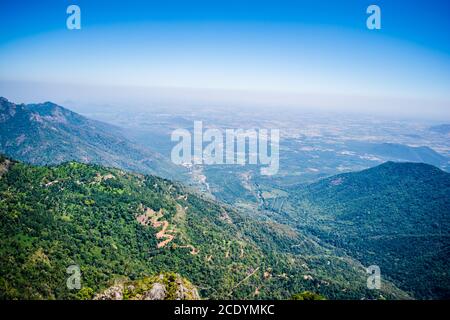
(4, 166)
(112, 293)
(166, 286)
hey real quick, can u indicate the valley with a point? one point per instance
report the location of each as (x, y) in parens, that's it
(338, 205)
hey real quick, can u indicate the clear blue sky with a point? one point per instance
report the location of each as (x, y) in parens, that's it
(319, 47)
(424, 22)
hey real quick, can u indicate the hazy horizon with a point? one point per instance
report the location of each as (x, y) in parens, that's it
(88, 98)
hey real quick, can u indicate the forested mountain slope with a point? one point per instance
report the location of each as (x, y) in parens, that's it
(116, 225)
(396, 215)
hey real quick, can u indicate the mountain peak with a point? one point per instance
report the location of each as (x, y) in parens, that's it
(389, 175)
(4, 103)
(48, 109)
(7, 109)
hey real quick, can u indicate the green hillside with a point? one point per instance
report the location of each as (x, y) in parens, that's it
(117, 225)
(396, 215)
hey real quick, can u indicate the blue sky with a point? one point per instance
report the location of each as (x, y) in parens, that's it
(305, 47)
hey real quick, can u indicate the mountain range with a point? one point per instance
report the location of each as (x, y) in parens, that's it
(47, 133)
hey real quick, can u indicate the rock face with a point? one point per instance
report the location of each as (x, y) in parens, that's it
(158, 292)
(166, 286)
(113, 293)
(4, 166)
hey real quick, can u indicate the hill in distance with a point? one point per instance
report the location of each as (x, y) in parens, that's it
(401, 153)
(46, 133)
(442, 129)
